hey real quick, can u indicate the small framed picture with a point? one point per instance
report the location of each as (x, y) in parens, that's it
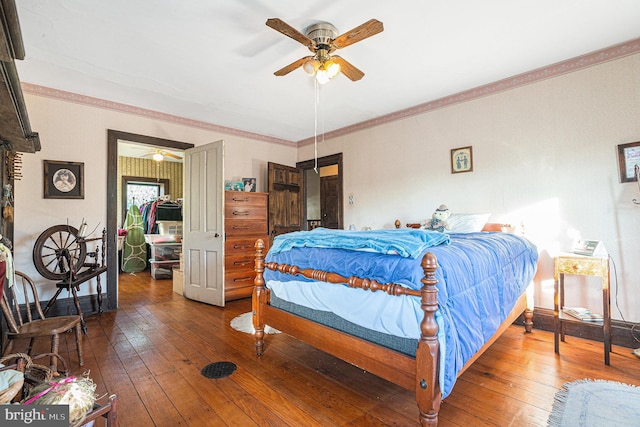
(233, 186)
(461, 160)
(629, 160)
(63, 180)
(249, 184)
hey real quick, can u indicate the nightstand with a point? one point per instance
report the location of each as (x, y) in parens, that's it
(579, 265)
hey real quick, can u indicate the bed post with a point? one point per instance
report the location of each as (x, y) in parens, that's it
(258, 298)
(528, 320)
(428, 393)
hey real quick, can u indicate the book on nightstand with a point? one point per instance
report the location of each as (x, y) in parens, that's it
(583, 314)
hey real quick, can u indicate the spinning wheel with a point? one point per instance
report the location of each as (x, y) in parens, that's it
(59, 250)
(59, 254)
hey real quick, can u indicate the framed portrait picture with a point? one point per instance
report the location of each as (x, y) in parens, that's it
(63, 180)
(249, 184)
(628, 159)
(461, 160)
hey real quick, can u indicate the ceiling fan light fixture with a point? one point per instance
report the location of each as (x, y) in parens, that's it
(332, 69)
(310, 66)
(322, 76)
(157, 157)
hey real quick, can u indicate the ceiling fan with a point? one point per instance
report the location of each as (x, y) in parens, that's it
(322, 40)
(159, 155)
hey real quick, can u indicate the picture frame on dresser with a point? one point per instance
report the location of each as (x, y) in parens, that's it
(249, 185)
(63, 180)
(628, 159)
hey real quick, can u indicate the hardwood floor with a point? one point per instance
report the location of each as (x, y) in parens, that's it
(151, 351)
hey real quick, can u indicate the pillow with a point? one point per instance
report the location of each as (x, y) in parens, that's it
(467, 223)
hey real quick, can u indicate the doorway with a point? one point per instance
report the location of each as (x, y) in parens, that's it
(113, 138)
(323, 192)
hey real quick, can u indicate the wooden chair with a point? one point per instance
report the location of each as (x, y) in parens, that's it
(25, 319)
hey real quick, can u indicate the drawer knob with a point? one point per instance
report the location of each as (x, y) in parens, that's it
(239, 213)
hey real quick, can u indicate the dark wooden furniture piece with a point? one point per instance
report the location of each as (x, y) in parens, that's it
(28, 320)
(579, 265)
(108, 411)
(245, 221)
(420, 373)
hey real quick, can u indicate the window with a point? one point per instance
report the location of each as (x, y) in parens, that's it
(141, 192)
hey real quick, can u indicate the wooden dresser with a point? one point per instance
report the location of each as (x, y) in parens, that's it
(245, 221)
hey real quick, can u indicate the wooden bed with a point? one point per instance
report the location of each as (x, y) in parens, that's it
(420, 373)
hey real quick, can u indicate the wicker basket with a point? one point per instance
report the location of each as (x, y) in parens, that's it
(34, 372)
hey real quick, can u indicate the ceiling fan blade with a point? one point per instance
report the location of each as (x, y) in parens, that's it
(347, 69)
(289, 68)
(368, 29)
(173, 156)
(286, 29)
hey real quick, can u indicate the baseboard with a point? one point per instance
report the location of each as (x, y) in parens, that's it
(621, 333)
(88, 305)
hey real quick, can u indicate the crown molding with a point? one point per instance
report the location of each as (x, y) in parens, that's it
(75, 98)
(621, 50)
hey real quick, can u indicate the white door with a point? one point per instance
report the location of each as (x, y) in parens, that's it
(203, 224)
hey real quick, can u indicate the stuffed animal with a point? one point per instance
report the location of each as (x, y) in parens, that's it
(438, 221)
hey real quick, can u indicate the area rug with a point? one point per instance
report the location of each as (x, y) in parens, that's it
(244, 323)
(596, 403)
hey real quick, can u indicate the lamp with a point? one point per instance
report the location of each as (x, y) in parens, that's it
(158, 157)
(322, 66)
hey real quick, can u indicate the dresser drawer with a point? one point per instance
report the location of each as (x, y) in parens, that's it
(236, 198)
(586, 266)
(236, 227)
(239, 262)
(239, 278)
(247, 212)
(244, 245)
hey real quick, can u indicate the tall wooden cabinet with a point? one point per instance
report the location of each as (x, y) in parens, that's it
(245, 221)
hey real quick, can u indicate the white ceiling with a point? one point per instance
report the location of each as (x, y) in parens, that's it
(213, 61)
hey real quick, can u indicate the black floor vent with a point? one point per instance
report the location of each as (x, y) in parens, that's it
(219, 369)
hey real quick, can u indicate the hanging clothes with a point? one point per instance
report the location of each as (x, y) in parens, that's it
(134, 248)
(159, 210)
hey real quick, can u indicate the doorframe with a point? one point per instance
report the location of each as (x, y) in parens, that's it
(333, 159)
(113, 136)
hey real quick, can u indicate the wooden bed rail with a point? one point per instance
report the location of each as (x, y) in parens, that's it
(425, 369)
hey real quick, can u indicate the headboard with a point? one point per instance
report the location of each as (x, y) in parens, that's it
(490, 226)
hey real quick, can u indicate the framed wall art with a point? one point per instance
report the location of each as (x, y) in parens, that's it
(461, 160)
(63, 180)
(628, 159)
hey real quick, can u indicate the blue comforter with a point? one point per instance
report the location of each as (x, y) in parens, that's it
(405, 242)
(480, 277)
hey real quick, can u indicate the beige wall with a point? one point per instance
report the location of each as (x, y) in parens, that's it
(75, 132)
(544, 155)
